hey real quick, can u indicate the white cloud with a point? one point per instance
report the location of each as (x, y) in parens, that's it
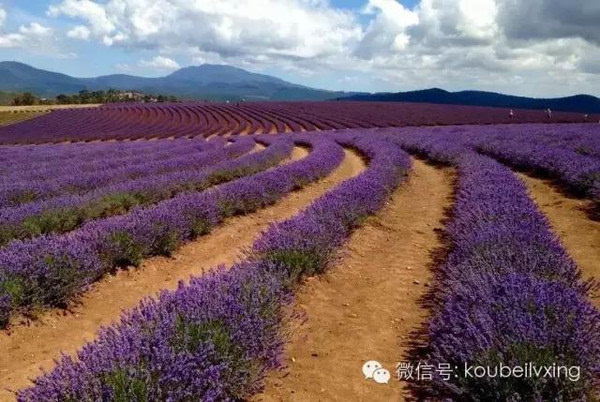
(477, 19)
(33, 35)
(550, 19)
(456, 22)
(160, 63)
(278, 28)
(2, 17)
(79, 32)
(35, 29)
(92, 12)
(537, 47)
(387, 32)
(470, 44)
(125, 67)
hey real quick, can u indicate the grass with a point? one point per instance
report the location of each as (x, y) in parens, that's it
(7, 118)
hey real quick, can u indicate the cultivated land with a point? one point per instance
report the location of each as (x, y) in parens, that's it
(370, 305)
(45, 336)
(16, 114)
(45, 108)
(347, 232)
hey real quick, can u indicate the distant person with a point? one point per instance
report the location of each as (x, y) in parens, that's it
(585, 117)
(511, 114)
(549, 113)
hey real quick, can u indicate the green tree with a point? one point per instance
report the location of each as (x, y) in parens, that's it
(63, 99)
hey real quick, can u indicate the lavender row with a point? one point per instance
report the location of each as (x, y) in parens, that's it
(41, 158)
(46, 152)
(215, 338)
(74, 179)
(322, 228)
(583, 139)
(579, 173)
(104, 123)
(65, 213)
(203, 119)
(513, 295)
(564, 152)
(81, 169)
(508, 292)
(49, 270)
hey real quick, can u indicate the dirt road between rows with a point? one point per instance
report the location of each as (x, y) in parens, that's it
(28, 348)
(579, 234)
(367, 307)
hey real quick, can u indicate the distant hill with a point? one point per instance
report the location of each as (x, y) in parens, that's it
(222, 82)
(208, 81)
(577, 103)
(19, 77)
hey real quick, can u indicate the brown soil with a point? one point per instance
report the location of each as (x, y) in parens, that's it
(579, 234)
(296, 152)
(367, 307)
(8, 118)
(27, 348)
(44, 108)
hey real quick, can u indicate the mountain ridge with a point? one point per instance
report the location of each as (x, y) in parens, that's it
(575, 103)
(224, 82)
(207, 81)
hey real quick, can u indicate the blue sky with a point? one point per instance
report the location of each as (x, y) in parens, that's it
(549, 48)
(357, 4)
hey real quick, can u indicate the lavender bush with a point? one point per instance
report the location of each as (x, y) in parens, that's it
(133, 121)
(305, 244)
(508, 292)
(579, 173)
(33, 162)
(81, 175)
(568, 153)
(215, 338)
(511, 293)
(49, 270)
(65, 213)
(210, 340)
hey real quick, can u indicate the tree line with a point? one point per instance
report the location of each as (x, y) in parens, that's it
(90, 97)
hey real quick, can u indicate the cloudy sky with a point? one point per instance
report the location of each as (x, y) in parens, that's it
(526, 47)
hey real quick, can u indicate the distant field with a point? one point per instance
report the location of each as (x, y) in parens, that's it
(16, 114)
(44, 108)
(195, 119)
(7, 118)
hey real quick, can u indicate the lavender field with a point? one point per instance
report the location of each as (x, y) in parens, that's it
(185, 252)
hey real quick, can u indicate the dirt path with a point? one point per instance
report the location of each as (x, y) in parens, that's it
(8, 118)
(579, 234)
(296, 153)
(366, 308)
(45, 108)
(27, 349)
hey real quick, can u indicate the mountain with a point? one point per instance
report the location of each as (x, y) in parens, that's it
(210, 73)
(577, 103)
(222, 82)
(19, 77)
(208, 81)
